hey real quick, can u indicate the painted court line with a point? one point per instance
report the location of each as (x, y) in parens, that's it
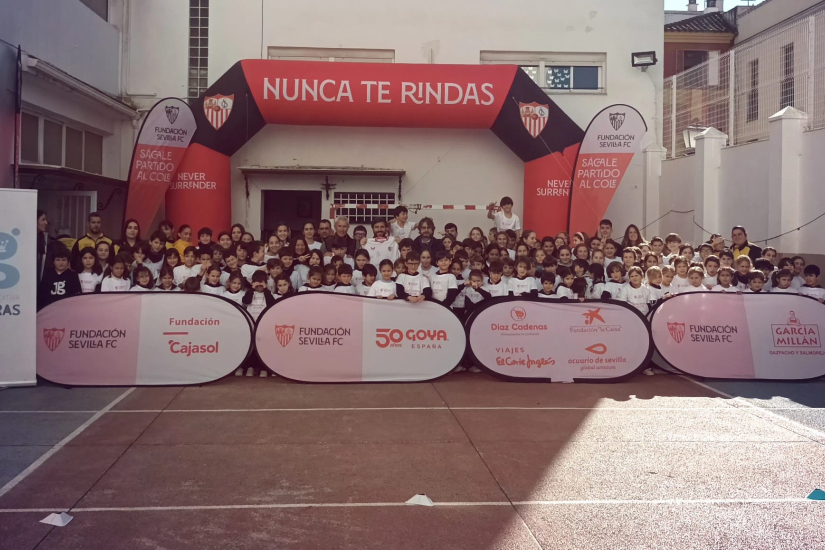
(765, 410)
(48, 454)
(399, 504)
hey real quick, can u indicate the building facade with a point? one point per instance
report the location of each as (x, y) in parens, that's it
(580, 54)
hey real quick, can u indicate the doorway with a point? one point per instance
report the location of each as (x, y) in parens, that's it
(290, 207)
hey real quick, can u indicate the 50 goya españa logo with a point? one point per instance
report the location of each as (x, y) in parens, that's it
(419, 339)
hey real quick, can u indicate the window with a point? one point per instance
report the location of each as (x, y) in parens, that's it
(198, 48)
(693, 58)
(362, 215)
(556, 72)
(787, 91)
(45, 141)
(753, 94)
(332, 54)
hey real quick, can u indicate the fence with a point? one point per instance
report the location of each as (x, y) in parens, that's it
(738, 91)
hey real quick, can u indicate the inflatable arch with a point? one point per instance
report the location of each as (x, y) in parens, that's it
(253, 93)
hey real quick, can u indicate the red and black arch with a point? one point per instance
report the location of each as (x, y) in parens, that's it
(254, 93)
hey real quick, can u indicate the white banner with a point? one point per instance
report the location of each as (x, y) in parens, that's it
(18, 286)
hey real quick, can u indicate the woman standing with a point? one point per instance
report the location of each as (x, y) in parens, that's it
(632, 237)
(308, 231)
(130, 237)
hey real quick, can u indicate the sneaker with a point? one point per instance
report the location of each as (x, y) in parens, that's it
(263, 373)
(239, 372)
(648, 372)
(474, 369)
(459, 369)
(250, 371)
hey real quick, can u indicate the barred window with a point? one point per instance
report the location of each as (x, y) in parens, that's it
(371, 200)
(198, 48)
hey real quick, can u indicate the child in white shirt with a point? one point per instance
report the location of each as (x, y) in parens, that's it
(654, 283)
(711, 269)
(344, 285)
(384, 288)
(634, 293)
(212, 282)
(725, 278)
(402, 227)
(443, 283)
(188, 269)
(811, 287)
(504, 219)
(369, 273)
(680, 280)
(616, 273)
(782, 280)
(416, 287)
(548, 284)
(314, 278)
(696, 276)
(117, 281)
(522, 284)
(565, 290)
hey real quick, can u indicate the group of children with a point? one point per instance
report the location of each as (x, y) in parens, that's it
(459, 273)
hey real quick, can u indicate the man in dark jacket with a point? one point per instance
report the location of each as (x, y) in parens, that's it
(425, 239)
(741, 246)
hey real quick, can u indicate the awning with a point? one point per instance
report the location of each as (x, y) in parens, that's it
(40, 171)
(323, 170)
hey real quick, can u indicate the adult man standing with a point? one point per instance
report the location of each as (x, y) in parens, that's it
(741, 246)
(324, 230)
(341, 234)
(93, 235)
(425, 240)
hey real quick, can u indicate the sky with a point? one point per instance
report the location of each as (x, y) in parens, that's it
(682, 4)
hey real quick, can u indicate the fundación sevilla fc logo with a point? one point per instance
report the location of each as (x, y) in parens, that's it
(172, 113)
(677, 331)
(284, 334)
(616, 120)
(534, 117)
(52, 337)
(217, 109)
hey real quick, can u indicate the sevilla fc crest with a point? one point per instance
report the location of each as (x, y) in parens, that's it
(172, 113)
(284, 334)
(616, 120)
(52, 337)
(534, 117)
(217, 109)
(677, 331)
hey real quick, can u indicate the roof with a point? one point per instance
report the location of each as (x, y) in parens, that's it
(708, 22)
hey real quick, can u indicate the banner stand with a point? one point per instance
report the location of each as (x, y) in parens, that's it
(18, 286)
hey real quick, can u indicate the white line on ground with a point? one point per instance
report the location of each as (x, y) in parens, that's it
(338, 409)
(399, 504)
(48, 454)
(766, 410)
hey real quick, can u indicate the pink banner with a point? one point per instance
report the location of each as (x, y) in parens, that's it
(721, 335)
(160, 148)
(612, 138)
(325, 337)
(559, 341)
(141, 338)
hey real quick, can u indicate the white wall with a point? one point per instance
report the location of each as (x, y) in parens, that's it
(769, 13)
(66, 34)
(744, 192)
(676, 193)
(475, 167)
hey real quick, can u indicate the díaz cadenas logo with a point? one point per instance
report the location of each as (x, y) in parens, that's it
(9, 275)
(52, 337)
(518, 313)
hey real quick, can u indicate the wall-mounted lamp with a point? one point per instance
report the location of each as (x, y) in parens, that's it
(643, 60)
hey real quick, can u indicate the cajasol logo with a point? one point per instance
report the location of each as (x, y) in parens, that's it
(9, 275)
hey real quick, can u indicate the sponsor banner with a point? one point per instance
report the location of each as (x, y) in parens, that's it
(325, 337)
(379, 94)
(18, 286)
(721, 335)
(610, 141)
(559, 341)
(161, 145)
(141, 338)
